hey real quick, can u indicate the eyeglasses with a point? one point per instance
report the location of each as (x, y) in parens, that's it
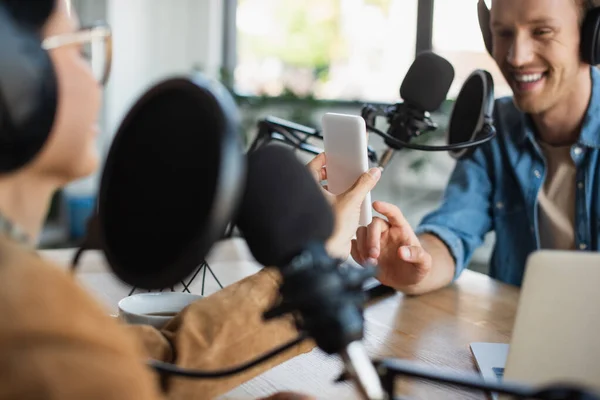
(96, 42)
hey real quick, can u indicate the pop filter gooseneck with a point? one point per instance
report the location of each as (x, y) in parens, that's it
(172, 180)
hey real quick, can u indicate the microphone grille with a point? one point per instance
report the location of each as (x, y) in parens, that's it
(427, 82)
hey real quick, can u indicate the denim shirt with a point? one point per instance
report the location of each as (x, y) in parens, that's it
(496, 189)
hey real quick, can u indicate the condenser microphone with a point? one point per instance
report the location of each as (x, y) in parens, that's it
(423, 90)
(286, 221)
(172, 180)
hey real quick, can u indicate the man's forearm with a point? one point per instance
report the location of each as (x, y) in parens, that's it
(442, 267)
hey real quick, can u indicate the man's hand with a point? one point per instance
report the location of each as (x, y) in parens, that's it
(393, 245)
(346, 206)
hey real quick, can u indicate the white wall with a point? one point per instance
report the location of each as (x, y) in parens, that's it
(154, 39)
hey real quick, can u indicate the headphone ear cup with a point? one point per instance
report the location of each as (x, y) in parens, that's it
(590, 41)
(483, 14)
(28, 92)
(489, 98)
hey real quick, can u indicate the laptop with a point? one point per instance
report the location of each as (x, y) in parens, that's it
(556, 335)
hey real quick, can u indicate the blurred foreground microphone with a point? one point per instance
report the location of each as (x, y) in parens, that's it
(286, 220)
(172, 180)
(423, 90)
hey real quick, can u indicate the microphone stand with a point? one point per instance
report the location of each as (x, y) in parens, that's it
(328, 302)
(93, 241)
(405, 122)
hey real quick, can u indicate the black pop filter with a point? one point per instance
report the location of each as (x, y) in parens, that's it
(471, 117)
(172, 180)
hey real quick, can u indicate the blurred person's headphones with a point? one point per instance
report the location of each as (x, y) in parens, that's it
(28, 83)
(28, 88)
(590, 31)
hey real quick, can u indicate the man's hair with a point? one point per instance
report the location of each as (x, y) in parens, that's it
(584, 5)
(33, 13)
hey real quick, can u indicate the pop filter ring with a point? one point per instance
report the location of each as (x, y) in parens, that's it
(226, 196)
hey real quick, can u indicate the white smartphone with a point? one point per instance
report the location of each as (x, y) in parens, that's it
(345, 145)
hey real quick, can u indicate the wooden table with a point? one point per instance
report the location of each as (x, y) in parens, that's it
(435, 329)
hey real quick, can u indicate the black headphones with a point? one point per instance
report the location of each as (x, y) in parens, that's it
(590, 31)
(28, 88)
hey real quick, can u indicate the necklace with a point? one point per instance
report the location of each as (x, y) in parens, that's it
(13, 231)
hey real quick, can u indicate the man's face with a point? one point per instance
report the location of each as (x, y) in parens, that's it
(536, 46)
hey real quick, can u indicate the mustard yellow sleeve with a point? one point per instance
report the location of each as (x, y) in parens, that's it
(57, 343)
(221, 331)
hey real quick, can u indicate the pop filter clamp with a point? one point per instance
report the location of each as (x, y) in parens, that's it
(404, 123)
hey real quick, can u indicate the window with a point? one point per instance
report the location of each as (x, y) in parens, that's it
(330, 49)
(457, 37)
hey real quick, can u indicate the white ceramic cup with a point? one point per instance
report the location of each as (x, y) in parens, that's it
(139, 308)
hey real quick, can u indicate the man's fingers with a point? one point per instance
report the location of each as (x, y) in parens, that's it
(373, 239)
(391, 212)
(317, 167)
(415, 255)
(356, 253)
(361, 240)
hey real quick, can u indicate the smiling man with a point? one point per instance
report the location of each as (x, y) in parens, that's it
(536, 185)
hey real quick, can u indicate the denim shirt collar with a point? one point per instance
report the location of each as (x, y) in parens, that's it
(590, 130)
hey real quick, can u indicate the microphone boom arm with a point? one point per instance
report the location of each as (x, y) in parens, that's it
(390, 368)
(281, 130)
(328, 302)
